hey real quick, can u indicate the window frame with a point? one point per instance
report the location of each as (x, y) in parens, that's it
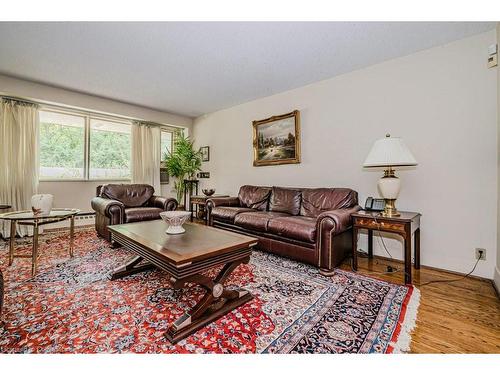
(86, 152)
(87, 137)
(166, 129)
(172, 131)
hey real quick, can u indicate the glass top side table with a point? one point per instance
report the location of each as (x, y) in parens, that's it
(36, 221)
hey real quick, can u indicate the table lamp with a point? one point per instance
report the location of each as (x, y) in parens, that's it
(389, 153)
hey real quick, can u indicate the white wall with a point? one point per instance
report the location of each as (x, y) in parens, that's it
(78, 194)
(441, 101)
(497, 268)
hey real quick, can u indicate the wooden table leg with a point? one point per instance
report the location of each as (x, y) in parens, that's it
(130, 268)
(34, 253)
(370, 243)
(71, 235)
(12, 241)
(407, 245)
(355, 248)
(201, 212)
(216, 302)
(417, 249)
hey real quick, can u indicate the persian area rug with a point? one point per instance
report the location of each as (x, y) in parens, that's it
(71, 307)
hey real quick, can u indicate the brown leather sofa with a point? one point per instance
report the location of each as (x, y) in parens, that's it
(127, 203)
(309, 225)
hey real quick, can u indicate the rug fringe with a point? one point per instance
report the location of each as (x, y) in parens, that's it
(402, 344)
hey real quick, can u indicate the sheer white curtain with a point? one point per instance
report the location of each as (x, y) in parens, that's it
(146, 154)
(19, 123)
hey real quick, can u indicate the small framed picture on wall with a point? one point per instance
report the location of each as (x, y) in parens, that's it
(205, 153)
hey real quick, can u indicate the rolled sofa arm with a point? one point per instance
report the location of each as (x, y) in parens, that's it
(218, 202)
(109, 208)
(334, 239)
(226, 201)
(167, 204)
(340, 219)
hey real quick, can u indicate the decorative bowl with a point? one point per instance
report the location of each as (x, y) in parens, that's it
(175, 219)
(208, 192)
(42, 203)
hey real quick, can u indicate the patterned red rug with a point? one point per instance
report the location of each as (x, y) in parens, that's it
(71, 307)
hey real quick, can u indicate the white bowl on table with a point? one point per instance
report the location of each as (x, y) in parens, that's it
(175, 219)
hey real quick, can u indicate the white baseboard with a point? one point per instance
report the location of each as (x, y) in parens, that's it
(496, 280)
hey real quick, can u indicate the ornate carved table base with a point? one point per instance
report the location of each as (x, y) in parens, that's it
(216, 302)
(186, 257)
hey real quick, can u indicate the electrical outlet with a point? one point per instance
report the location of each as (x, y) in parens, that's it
(480, 253)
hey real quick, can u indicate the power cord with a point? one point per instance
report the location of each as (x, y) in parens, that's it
(390, 269)
(382, 238)
(453, 280)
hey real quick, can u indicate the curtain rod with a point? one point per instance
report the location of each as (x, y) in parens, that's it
(19, 100)
(81, 109)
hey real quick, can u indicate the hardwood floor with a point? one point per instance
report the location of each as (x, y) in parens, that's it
(456, 317)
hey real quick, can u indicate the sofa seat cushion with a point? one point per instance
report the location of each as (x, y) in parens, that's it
(142, 214)
(256, 220)
(297, 227)
(226, 213)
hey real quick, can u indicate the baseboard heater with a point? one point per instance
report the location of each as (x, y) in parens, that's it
(81, 219)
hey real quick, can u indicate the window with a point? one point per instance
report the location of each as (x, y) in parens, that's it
(109, 149)
(166, 146)
(62, 146)
(166, 142)
(82, 146)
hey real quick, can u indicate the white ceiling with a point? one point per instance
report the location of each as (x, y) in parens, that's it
(197, 68)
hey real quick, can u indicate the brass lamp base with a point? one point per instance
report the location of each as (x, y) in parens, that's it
(390, 208)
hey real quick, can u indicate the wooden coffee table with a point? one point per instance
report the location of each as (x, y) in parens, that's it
(185, 257)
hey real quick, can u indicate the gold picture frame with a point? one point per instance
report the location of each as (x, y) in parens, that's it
(271, 143)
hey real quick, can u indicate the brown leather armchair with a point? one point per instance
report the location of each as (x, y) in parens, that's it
(127, 203)
(309, 225)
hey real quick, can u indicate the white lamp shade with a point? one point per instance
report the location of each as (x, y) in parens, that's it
(389, 151)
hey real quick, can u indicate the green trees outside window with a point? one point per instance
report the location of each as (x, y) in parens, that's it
(63, 141)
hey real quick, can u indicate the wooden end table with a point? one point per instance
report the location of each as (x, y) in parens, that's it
(200, 202)
(405, 225)
(36, 221)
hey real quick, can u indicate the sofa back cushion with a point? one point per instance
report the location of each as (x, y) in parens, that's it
(255, 197)
(285, 200)
(131, 195)
(315, 201)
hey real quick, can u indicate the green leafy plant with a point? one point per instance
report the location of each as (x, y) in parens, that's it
(182, 163)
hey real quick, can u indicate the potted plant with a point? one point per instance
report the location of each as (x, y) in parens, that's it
(182, 163)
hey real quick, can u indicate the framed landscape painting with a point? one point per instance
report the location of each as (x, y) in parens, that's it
(276, 140)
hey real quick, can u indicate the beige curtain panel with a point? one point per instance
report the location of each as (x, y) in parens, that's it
(19, 123)
(146, 155)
